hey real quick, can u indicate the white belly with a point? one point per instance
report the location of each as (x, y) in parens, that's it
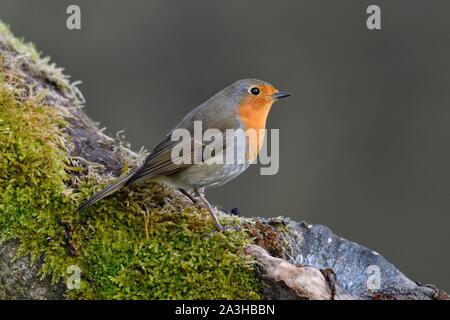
(205, 175)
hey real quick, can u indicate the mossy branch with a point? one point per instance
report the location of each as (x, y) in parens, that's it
(147, 242)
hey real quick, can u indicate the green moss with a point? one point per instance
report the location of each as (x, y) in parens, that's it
(162, 255)
(40, 66)
(32, 172)
(21, 46)
(143, 245)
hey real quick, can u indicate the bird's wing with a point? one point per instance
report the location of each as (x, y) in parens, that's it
(160, 162)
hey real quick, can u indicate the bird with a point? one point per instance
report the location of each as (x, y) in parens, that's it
(242, 106)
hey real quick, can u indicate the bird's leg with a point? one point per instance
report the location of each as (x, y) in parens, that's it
(208, 207)
(187, 194)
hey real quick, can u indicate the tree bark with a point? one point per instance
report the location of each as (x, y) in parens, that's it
(300, 262)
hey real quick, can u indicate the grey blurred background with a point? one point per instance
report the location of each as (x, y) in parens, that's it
(364, 138)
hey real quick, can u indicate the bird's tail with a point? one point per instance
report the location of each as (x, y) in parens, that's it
(119, 183)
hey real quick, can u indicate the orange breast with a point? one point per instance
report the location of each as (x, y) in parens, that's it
(253, 117)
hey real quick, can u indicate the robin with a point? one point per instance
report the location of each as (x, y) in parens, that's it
(243, 105)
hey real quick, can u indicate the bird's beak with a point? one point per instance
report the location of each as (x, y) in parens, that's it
(280, 94)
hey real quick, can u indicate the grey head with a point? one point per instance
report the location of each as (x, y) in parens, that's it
(221, 110)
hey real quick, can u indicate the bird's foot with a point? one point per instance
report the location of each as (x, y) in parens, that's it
(194, 200)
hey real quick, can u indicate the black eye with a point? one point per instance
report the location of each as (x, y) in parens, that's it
(254, 91)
